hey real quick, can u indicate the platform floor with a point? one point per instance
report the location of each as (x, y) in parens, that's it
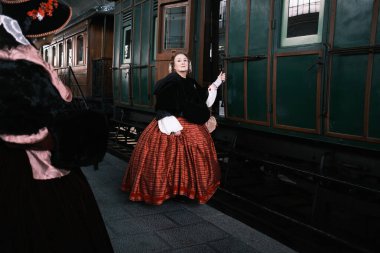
(172, 227)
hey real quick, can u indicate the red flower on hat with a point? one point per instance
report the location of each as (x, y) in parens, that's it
(44, 9)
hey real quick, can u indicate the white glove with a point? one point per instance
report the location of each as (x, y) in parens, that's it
(221, 78)
(169, 124)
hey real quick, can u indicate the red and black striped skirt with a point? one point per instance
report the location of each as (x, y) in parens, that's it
(162, 166)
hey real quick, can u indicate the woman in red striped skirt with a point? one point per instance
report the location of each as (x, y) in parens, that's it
(175, 154)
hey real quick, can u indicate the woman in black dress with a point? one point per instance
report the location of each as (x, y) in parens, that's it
(46, 202)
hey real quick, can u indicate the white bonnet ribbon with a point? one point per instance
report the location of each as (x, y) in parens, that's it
(12, 27)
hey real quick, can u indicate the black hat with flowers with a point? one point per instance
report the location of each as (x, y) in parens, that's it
(38, 18)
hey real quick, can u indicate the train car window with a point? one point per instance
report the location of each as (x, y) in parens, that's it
(222, 29)
(54, 63)
(174, 26)
(80, 43)
(127, 44)
(302, 22)
(46, 55)
(60, 55)
(214, 13)
(69, 56)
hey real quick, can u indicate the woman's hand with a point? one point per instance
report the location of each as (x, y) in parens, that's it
(178, 133)
(221, 78)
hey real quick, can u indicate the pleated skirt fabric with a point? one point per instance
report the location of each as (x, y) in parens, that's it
(163, 166)
(47, 216)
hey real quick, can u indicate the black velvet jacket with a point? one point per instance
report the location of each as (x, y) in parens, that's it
(181, 97)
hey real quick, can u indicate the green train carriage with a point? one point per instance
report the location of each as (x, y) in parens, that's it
(299, 115)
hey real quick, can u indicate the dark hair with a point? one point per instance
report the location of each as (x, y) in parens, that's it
(6, 40)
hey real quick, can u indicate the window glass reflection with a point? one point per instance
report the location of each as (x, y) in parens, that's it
(127, 44)
(175, 24)
(80, 49)
(303, 17)
(54, 63)
(69, 56)
(46, 53)
(60, 57)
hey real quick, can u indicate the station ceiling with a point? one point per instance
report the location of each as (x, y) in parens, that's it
(80, 7)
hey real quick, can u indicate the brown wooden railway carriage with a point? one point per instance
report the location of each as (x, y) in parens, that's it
(82, 56)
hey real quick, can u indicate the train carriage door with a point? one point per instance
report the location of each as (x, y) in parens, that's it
(116, 55)
(125, 54)
(175, 29)
(297, 64)
(122, 55)
(142, 68)
(211, 43)
(247, 62)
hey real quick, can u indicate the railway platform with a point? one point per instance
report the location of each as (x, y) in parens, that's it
(180, 227)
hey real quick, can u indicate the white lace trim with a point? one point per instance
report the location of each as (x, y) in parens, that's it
(13, 28)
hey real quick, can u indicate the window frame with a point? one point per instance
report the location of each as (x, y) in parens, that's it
(127, 28)
(161, 33)
(61, 55)
(83, 61)
(165, 9)
(46, 53)
(300, 40)
(67, 52)
(54, 56)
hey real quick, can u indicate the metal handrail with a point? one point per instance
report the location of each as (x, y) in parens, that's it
(71, 72)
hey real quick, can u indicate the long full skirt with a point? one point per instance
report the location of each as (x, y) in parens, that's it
(43, 216)
(162, 166)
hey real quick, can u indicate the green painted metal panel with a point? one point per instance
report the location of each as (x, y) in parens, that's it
(116, 85)
(378, 31)
(116, 59)
(235, 90)
(124, 86)
(374, 110)
(145, 24)
(117, 40)
(126, 3)
(136, 86)
(152, 83)
(237, 26)
(356, 16)
(136, 35)
(347, 90)
(153, 75)
(197, 24)
(296, 88)
(257, 90)
(259, 26)
(144, 86)
(117, 6)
